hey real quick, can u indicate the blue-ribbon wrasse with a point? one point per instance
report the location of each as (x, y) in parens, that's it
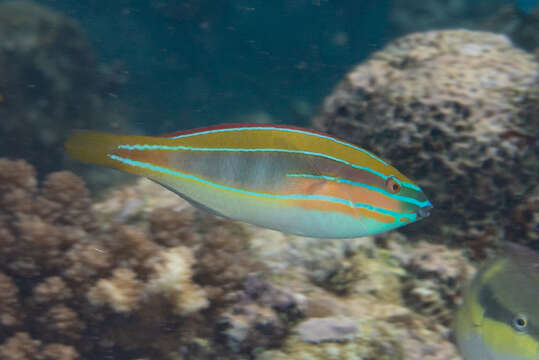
(285, 178)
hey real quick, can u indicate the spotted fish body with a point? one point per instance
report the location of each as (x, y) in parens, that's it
(286, 178)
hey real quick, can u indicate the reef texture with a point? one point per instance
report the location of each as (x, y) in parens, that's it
(452, 110)
(50, 83)
(433, 279)
(143, 275)
(67, 278)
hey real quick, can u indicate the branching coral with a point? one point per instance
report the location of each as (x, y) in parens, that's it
(121, 292)
(171, 277)
(22, 347)
(66, 278)
(9, 303)
(219, 246)
(51, 290)
(65, 201)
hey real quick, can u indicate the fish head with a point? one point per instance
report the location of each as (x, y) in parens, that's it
(499, 319)
(410, 200)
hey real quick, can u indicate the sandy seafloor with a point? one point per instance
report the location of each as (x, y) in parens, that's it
(95, 264)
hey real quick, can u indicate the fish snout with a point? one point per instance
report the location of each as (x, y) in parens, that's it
(424, 211)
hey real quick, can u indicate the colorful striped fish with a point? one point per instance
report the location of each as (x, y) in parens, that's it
(285, 178)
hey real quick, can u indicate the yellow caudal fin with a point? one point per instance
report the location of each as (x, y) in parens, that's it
(96, 147)
(93, 147)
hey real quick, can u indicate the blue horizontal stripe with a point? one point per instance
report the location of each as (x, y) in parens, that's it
(286, 130)
(142, 147)
(178, 174)
(406, 199)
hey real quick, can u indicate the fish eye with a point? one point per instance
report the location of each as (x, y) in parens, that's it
(520, 322)
(392, 185)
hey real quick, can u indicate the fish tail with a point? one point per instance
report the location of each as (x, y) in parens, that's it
(92, 146)
(99, 148)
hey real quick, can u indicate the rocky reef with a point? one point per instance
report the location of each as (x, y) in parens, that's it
(142, 274)
(50, 83)
(453, 110)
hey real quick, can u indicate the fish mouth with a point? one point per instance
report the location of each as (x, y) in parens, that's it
(424, 211)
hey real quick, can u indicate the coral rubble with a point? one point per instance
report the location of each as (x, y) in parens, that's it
(447, 108)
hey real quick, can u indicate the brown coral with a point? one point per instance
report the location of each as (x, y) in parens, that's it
(172, 277)
(20, 347)
(9, 303)
(52, 289)
(121, 292)
(59, 352)
(443, 106)
(173, 227)
(60, 323)
(17, 186)
(139, 290)
(65, 200)
(224, 261)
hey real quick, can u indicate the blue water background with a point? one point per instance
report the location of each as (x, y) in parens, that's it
(231, 59)
(276, 57)
(527, 5)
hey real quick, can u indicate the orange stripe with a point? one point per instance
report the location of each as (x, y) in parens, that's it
(328, 206)
(342, 191)
(353, 193)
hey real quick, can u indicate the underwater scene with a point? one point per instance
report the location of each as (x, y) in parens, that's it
(269, 180)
